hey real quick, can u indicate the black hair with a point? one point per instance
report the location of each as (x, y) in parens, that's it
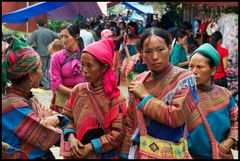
(122, 22)
(216, 36)
(88, 26)
(82, 25)
(154, 31)
(181, 34)
(155, 23)
(40, 22)
(74, 30)
(186, 26)
(135, 26)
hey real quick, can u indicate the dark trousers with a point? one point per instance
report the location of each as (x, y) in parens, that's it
(45, 80)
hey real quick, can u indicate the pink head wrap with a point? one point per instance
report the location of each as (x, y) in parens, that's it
(106, 33)
(103, 50)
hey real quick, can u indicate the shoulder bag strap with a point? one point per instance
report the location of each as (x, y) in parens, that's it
(97, 111)
(210, 134)
(99, 114)
(72, 56)
(141, 120)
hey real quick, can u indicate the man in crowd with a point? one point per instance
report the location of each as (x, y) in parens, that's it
(40, 39)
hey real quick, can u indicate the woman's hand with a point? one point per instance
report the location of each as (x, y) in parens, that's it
(228, 143)
(44, 112)
(50, 121)
(138, 89)
(75, 146)
(86, 150)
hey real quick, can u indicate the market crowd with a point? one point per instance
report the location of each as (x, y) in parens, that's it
(180, 103)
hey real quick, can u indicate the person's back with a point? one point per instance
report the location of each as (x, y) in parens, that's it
(220, 77)
(86, 35)
(178, 54)
(41, 38)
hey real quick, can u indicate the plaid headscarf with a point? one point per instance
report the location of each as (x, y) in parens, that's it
(19, 59)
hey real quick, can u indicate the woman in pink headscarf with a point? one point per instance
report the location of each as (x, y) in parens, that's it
(106, 33)
(96, 108)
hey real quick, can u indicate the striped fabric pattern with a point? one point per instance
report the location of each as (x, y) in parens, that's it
(35, 133)
(11, 101)
(219, 98)
(83, 118)
(174, 96)
(19, 60)
(173, 103)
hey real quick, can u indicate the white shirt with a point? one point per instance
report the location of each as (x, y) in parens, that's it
(87, 37)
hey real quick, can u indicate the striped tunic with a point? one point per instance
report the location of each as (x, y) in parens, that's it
(174, 100)
(83, 119)
(21, 128)
(221, 113)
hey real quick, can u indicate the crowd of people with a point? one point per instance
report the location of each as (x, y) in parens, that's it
(177, 93)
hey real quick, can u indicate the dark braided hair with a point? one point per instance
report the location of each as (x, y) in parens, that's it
(216, 36)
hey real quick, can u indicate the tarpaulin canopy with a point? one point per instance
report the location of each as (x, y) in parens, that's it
(8, 7)
(16, 14)
(70, 11)
(139, 7)
(135, 16)
(22, 15)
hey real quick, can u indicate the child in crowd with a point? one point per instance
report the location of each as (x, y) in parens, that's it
(55, 46)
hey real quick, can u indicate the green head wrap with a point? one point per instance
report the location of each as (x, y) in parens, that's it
(19, 60)
(209, 50)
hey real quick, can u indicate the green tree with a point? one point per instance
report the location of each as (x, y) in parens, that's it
(55, 25)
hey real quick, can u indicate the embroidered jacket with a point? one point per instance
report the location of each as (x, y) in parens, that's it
(83, 120)
(165, 114)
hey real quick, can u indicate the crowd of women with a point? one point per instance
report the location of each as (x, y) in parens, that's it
(172, 112)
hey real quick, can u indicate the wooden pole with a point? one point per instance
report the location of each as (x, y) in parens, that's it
(27, 25)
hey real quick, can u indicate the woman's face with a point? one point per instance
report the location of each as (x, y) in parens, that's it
(92, 70)
(156, 53)
(199, 65)
(68, 41)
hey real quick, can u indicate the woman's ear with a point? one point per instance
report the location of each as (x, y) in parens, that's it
(104, 69)
(77, 36)
(214, 70)
(170, 49)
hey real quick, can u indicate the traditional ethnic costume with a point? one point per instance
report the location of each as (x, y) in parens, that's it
(104, 126)
(21, 129)
(65, 69)
(220, 111)
(162, 114)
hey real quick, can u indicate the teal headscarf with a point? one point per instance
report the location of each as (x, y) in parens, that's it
(209, 50)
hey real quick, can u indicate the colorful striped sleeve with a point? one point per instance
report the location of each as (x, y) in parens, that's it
(233, 114)
(175, 114)
(130, 126)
